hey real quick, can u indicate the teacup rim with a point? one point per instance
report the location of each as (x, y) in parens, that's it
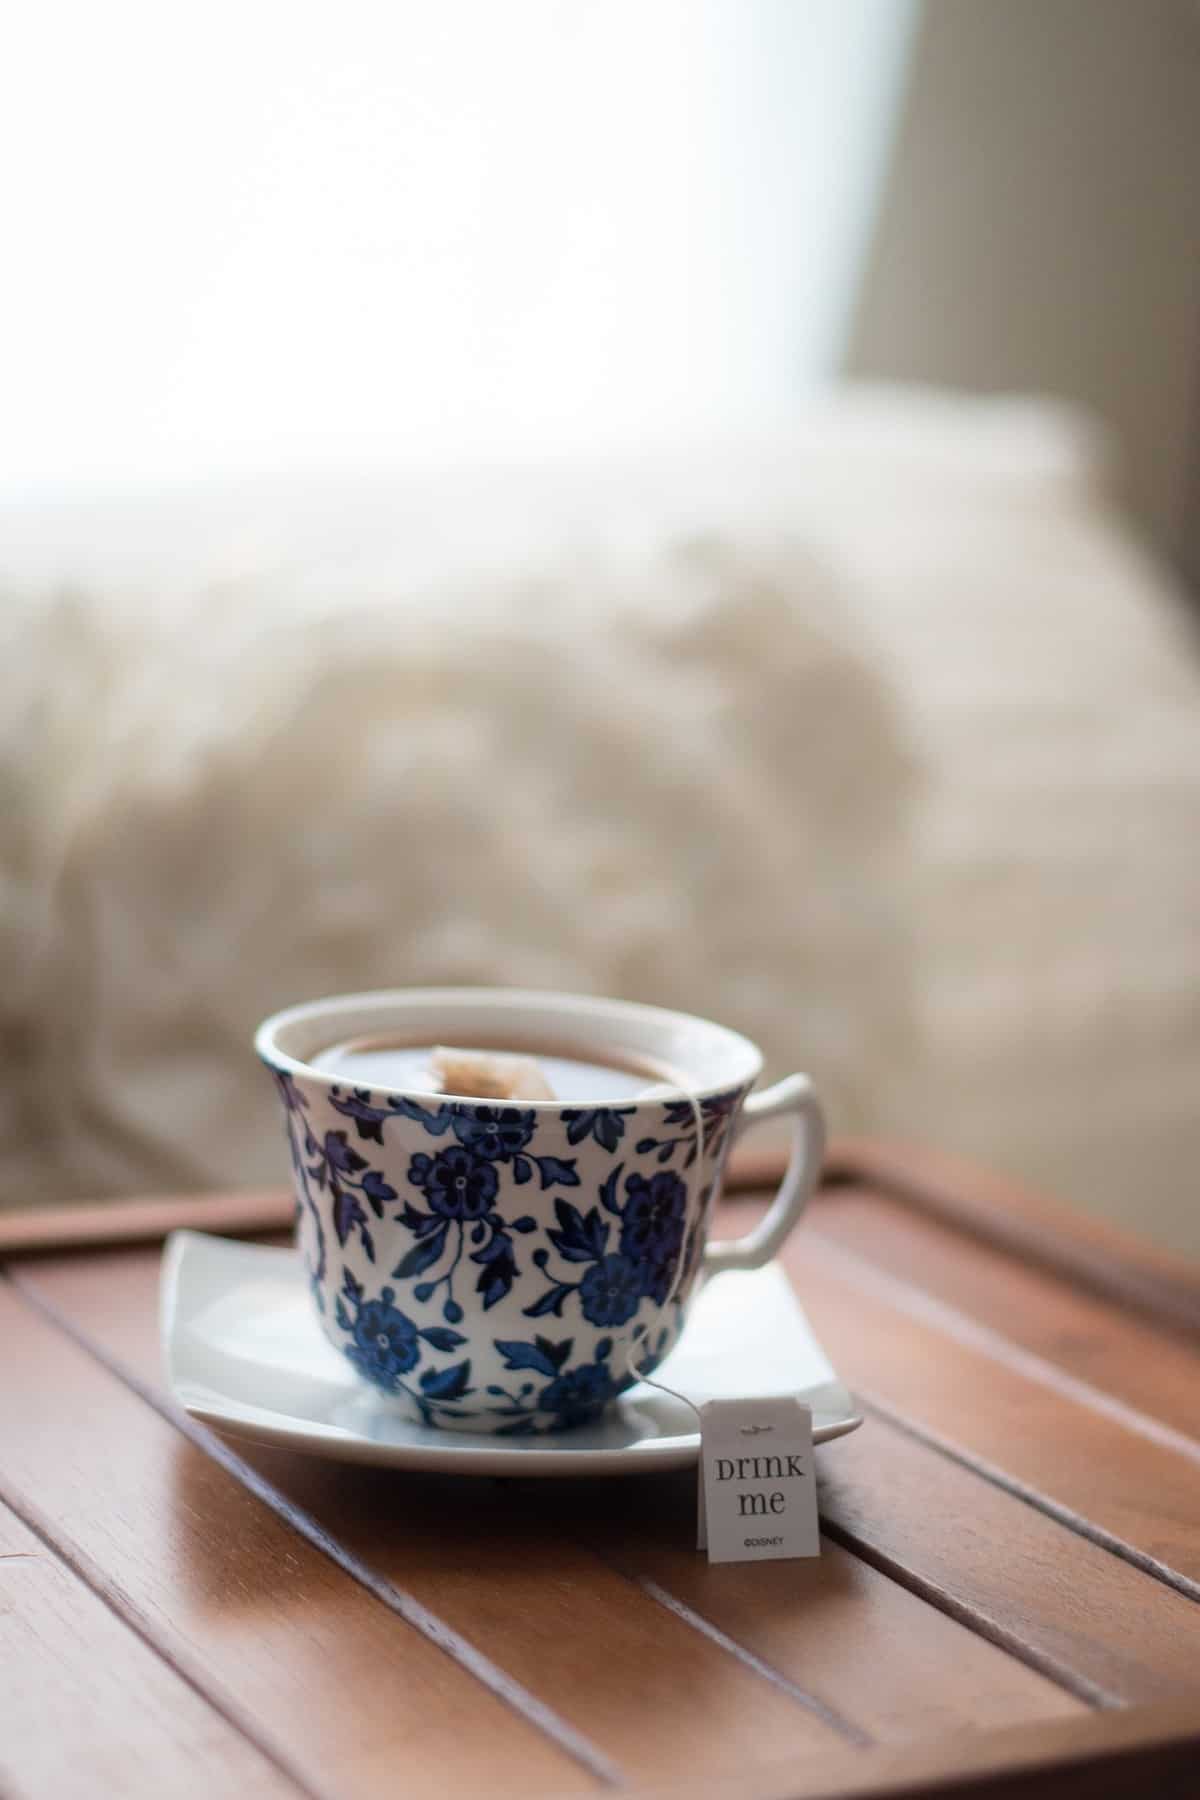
(549, 1000)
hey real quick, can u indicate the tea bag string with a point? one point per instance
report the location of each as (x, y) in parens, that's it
(691, 1174)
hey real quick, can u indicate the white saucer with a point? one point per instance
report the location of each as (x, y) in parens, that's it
(245, 1354)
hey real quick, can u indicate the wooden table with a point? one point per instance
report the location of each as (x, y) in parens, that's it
(1007, 1601)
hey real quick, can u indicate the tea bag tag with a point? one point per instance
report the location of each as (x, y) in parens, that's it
(758, 1482)
(757, 1489)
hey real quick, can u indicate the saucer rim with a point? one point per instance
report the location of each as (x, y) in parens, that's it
(461, 1453)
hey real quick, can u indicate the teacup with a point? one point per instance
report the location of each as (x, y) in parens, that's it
(511, 1266)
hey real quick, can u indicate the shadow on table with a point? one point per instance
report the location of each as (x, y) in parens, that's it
(470, 1547)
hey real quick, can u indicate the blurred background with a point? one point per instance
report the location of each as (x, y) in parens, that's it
(695, 500)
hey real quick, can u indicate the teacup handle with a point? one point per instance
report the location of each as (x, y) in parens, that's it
(795, 1095)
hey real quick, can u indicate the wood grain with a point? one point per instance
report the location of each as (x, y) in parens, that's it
(342, 1692)
(1058, 1600)
(1013, 1543)
(947, 1676)
(818, 1625)
(988, 1399)
(98, 1222)
(87, 1708)
(832, 1626)
(1151, 1753)
(1039, 1590)
(1086, 1252)
(1155, 1372)
(658, 1698)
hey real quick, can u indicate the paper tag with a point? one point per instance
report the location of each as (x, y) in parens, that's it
(758, 1485)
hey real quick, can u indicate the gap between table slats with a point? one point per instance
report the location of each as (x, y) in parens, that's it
(930, 1310)
(898, 1363)
(1035, 1660)
(1015, 1572)
(71, 1657)
(303, 1519)
(965, 1659)
(419, 1617)
(1151, 1753)
(93, 1579)
(941, 1446)
(351, 1611)
(1040, 1502)
(413, 1610)
(1115, 1350)
(978, 1207)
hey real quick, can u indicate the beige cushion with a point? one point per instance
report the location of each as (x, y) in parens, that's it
(881, 741)
(619, 737)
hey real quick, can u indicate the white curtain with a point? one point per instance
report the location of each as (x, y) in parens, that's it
(264, 233)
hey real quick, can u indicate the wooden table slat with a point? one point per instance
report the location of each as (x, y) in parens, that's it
(758, 1606)
(1085, 1252)
(68, 1662)
(833, 1625)
(660, 1699)
(1054, 1596)
(1147, 1753)
(1154, 1371)
(226, 1590)
(96, 1223)
(1010, 1544)
(1007, 1410)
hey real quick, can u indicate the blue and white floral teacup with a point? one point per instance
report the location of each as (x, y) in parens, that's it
(497, 1266)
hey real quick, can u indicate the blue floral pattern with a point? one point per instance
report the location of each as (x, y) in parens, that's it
(460, 1190)
(385, 1346)
(571, 1396)
(604, 1123)
(308, 1213)
(716, 1113)
(639, 1266)
(452, 1195)
(498, 1131)
(652, 1228)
